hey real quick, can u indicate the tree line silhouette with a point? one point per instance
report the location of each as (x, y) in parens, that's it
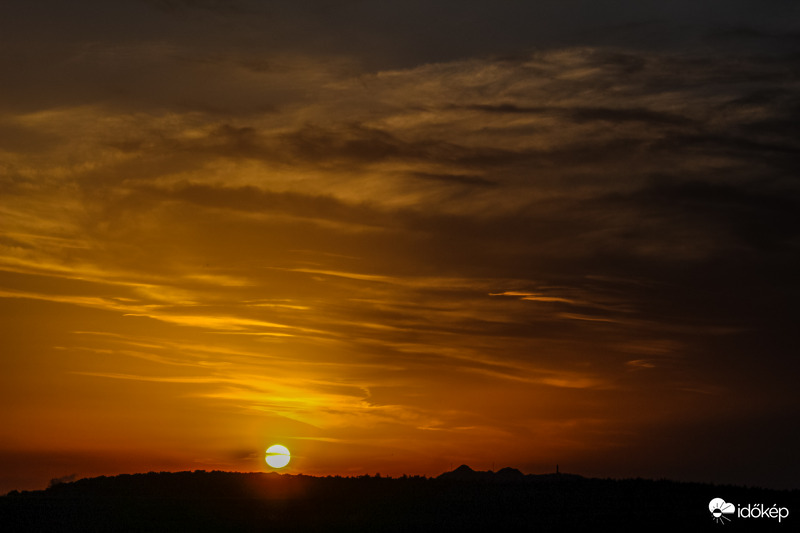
(461, 500)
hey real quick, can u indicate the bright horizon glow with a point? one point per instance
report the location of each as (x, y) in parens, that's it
(278, 456)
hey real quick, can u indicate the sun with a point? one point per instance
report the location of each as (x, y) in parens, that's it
(278, 456)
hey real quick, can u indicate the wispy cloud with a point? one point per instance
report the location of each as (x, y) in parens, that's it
(478, 245)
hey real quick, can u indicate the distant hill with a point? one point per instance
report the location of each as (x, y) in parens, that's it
(504, 475)
(461, 500)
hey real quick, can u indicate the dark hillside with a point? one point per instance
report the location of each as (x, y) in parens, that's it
(462, 500)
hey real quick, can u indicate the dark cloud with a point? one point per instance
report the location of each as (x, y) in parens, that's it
(756, 217)
(221, 6)
(627, 115)
(404, 211)
(253, 199)
(457, 179)
(590, 114)
(509, 108)
(19, 138)
(64, 479)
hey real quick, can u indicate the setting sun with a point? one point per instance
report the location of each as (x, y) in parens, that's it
(278, 456)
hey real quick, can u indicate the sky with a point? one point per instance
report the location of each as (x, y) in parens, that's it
(397, 237)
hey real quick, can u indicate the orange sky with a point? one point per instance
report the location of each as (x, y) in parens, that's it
(579, 254)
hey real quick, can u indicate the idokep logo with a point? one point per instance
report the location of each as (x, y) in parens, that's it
(719, 508)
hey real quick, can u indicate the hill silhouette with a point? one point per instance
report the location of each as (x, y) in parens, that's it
(461, 500)
(504, 475)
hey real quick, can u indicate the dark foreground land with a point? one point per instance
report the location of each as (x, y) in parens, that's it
(462, 500)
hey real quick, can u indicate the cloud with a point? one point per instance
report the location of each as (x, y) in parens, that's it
(64, 479)
(539, 297)
(581, 115)
(641, 363)
(490, 242)
(555, 169)
(218, 6)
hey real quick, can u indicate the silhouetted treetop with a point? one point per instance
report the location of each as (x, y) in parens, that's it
(461, 500)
